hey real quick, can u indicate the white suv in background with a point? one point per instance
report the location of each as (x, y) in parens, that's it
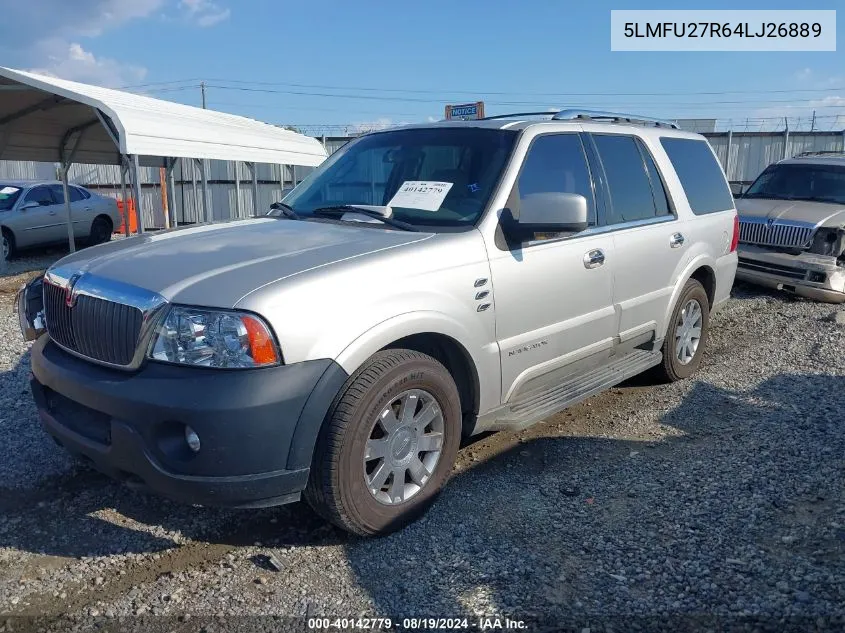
(424, 284)
(792, 227)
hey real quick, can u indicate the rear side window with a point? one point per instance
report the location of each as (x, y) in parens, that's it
(76, 194)
(631, 198)
(700, 174)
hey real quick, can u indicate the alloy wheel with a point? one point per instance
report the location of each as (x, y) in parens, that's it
(688, 331)
(404, 446)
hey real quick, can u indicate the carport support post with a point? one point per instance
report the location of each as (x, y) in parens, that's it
(254, 171)
(237, 189)
(123, 170)
(171, 195)
(66, 192)
(136, 190)
(204, 175)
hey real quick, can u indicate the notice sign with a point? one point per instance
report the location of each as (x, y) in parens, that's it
(420, 194)
(465, 111)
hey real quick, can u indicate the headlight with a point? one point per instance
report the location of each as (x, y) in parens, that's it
(213, 338)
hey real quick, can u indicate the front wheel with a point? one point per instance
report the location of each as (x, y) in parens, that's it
(387, 445)
(687, 333)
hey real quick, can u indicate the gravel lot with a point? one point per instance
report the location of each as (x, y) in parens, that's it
(645, 508)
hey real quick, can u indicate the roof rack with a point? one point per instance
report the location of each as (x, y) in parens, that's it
(615, 117)
(510, 115)
(826, 152)
(572, 114)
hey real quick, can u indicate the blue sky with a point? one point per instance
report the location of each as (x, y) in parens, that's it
(369, 64)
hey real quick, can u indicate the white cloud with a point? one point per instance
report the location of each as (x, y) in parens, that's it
(78, 64)
(47, 37)
(204, 13)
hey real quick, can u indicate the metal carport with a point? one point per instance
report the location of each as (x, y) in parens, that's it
(54, 120)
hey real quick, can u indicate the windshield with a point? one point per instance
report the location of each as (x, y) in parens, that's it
(792, 181)
(8, 196)
(433, 177)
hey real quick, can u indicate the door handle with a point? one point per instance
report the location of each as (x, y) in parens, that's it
(676, 241)
(594, 258)
(87, 208)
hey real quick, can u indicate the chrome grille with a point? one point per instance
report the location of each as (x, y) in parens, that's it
(96, 328)
(777, 233)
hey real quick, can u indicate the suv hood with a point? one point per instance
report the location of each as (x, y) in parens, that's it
(217, 264)
(818, 213)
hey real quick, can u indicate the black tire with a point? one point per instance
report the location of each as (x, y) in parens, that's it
(671, 368)
(101, 230)
(8, 250)
(337, 489)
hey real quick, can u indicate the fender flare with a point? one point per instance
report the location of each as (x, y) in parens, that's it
(700, 261)
(400, 326)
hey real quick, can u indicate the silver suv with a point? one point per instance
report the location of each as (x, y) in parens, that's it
(425, 284)
(792, 227)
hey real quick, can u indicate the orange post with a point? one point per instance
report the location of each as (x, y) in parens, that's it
(133, 217)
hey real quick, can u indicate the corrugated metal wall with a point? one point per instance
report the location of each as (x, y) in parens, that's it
(105, 179)
(750, 153)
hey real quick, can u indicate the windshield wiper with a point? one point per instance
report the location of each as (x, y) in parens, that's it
(342, 209)
(286, 209)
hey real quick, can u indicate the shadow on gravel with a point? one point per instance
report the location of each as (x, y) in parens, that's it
(735, 516)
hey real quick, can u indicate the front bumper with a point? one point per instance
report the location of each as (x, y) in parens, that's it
(257, 428)
(808, 275)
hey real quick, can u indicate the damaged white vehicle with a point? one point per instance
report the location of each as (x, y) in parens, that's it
(792, 227)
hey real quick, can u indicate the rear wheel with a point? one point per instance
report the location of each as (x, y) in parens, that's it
(8, 251)
(388, 444)
(687, 333)
(101, 229)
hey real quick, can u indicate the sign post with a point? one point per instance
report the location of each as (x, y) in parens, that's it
(465, 111)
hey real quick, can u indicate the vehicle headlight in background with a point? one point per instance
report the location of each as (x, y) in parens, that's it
(213, 338)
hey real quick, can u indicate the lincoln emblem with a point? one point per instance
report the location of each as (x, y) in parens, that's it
(70, 296)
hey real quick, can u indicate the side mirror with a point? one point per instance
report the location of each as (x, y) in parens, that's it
(553, 212)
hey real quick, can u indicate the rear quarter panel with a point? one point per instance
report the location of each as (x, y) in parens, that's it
(708, 235)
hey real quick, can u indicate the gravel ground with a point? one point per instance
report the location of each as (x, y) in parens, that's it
(644, 508)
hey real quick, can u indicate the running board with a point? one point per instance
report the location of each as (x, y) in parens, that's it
(540, 403)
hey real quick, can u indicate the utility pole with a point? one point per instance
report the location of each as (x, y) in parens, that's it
(202, 88)
(813, 122)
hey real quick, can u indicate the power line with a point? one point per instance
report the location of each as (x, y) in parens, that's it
(507, 103)
(537, 94)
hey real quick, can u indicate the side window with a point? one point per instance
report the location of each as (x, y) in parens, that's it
(556, 163)
(76, 194)
(700, 174)
(58, 194)
(41, 195)
(628, 181)
(658, 189)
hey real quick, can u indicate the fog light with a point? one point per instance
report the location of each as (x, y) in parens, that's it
(192, 439)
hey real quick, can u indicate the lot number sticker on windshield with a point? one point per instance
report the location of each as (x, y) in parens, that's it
(6, 191)
(420, 194)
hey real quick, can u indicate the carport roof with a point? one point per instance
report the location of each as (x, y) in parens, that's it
(44, 118)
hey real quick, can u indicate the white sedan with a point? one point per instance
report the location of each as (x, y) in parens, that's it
(33, 214)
